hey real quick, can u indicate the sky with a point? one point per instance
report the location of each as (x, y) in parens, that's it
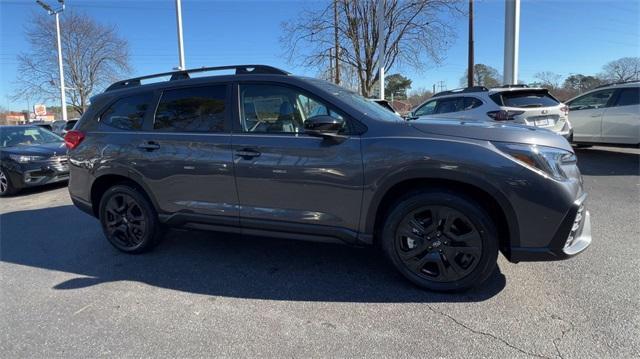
(562, 36)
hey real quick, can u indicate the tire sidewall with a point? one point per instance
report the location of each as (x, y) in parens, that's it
(10, 187)
(151, 218)
(474, 212)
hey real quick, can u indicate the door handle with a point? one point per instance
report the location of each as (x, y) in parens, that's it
(596, 114)
(247, 153)
(149, 146)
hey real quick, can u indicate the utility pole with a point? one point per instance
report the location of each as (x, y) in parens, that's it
(181, 66)
(470, 57)
(63, 97)
(434, 89)
(511, 40)
(336, 52)
(381, 50)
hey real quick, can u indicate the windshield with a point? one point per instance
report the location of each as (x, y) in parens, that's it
(363, 105)
(26, 136)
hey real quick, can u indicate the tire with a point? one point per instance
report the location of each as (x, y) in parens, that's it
(6, 186)
(129, 220)
(440, 240)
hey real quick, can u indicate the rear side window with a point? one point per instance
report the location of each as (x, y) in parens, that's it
(194, 109)
(127, 113)
(524, 99)
(628, 96)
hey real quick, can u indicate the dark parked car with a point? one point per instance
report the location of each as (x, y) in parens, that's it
(30, 156)
(266, 153)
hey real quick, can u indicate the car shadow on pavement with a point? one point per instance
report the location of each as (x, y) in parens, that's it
(67, 240)
(608, 162)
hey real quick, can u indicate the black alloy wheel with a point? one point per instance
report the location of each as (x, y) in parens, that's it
(440, 240)
(438, 243)
(128, 220)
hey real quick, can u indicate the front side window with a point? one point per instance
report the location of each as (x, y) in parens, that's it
(628, 97)
(278, 109)
(593, 100)
(426, 109)
(126, 114)
(193, 109)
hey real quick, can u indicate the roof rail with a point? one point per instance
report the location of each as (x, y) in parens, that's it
(184, 74)
(462, 90)
(506, 86)
(617, 83)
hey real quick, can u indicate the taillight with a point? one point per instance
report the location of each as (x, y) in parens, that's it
(503, 115)
(73, 138)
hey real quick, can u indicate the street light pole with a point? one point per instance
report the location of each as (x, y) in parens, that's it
(511, 41)
(181, 66)
(63, 97)
(381, 49)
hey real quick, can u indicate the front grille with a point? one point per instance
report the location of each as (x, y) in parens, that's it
(576, 228)
(59, 163)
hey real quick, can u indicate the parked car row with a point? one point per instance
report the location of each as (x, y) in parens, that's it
(608, 115)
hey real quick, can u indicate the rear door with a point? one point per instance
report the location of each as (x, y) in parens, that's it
(585, 114)
(287, 179)
(187, 154)
(621, 121)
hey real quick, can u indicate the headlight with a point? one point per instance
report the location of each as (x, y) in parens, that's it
(25, 159)
(547, 160)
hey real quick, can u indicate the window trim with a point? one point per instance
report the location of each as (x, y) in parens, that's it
(237, 121)
(227, 102)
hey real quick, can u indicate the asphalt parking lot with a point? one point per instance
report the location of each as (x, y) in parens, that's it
(65, 292)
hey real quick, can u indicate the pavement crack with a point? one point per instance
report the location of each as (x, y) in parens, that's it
(564, 332)
(486, 334)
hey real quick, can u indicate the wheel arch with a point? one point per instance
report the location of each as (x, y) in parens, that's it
(101, 184)
(486, 195)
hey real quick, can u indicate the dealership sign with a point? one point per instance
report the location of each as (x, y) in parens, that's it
(40, 110)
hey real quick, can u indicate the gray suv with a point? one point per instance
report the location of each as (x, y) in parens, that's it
(262, 152)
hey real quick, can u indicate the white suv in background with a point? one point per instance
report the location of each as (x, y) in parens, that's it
(609, 114)
(513, 103)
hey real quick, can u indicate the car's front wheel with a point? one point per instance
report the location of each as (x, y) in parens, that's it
(6, 187)
(128, 219)
(440, 240)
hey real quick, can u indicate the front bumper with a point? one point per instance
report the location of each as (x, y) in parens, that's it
(572, 238)
(52, 170)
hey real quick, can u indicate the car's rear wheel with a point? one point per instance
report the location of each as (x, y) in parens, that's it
(6, 187)
(440, 240)
(128, 219)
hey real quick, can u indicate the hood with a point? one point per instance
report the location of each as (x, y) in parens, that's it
(492, 131)
(45, 149)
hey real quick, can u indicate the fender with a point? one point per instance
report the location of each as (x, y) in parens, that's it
(380, 188)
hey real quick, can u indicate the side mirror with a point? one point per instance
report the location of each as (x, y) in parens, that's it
(323, 126)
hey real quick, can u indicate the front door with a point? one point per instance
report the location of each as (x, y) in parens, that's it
(283, 175)
(586, 115)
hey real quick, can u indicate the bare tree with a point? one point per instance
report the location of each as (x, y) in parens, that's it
(483, 75)
(414, 35)
(93, 56)
(623, 69)
(549, 80)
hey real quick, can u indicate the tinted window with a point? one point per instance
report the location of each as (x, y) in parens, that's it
(629, 96)
(523, 99)
(593, 100)
(194, 109)
(470, 102)
(125, 114)
(69, 125)
(278, 109)
(448, 105)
